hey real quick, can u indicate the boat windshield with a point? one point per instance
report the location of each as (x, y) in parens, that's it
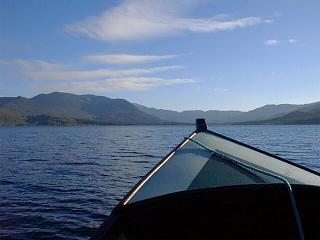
(193, 166)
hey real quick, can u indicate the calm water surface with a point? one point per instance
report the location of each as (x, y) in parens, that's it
(61, 182)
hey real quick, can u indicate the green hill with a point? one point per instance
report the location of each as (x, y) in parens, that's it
(70, 109)
(304, 114)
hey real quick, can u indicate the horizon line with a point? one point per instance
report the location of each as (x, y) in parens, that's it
(229, 110)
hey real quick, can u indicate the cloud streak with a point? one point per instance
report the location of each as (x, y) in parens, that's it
(143, 19)
(33, 65)
(54, 76)
(271, 42)
(97, 74)
(42, 70)
(114, 84)
(292, 40)
(126, 58)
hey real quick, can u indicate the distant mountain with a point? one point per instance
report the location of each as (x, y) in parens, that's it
(303, 114)
(266, 112)
(9, 117)
(70, 109)
(212, 116)
(223, 117)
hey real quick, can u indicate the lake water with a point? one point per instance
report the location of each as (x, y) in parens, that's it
(62, 182)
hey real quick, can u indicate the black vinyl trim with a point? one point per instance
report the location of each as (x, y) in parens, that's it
(215, 189)
(104, 230)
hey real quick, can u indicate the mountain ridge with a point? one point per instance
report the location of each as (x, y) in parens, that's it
(59, 108)
(70, 109)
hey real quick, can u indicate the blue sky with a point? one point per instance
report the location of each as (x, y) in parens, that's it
(171, 54)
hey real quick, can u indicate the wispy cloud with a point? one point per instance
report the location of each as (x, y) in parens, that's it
(42, 70)
(268, 21)
(219, 90)
(271, 42)
(142, 19)
(98, 73)
(126, 58)
(114, 84)
(55, 76)
(292, 40)
(33, 65)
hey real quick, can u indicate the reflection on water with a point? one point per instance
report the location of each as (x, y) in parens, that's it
(61, 182)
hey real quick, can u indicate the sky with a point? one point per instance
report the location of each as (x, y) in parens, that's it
(169, 54)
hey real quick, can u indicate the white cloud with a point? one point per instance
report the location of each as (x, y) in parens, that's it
(268, 21)
(33, 65)
(292, 40)
(114, 84)
(219, 90)
(56, 76)
(97, 74)
(142, 19)
(278, 14)
(271, 42)
(42, 70)
(126, 58)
